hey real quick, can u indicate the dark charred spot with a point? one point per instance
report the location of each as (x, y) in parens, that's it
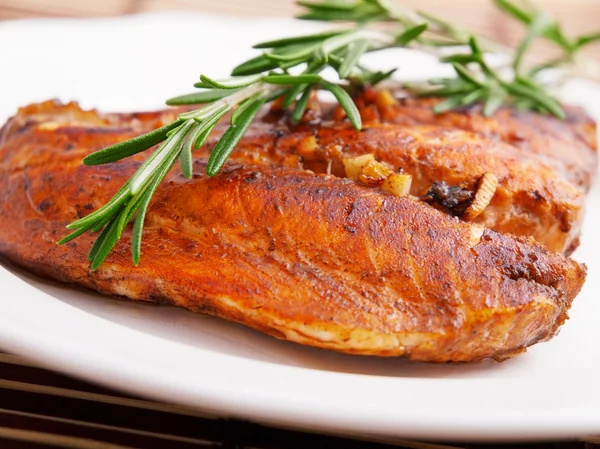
(517, 136)
(28, 124)
(160, 299)
(350, 208)
(472, 108)
(69, 146)
(572, 247)
(88, 206)
(517, 113)
(44, 205)
(486, 237)
(536, 195)
(531, 270)
(191, 247)
(565, 222)
(451, 199)
(312, 117)
(253, 176)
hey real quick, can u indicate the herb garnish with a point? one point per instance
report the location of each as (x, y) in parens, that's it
(290, 69)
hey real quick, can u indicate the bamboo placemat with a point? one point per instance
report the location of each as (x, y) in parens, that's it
(41, 408)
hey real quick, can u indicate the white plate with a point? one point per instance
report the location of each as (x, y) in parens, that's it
(223, 368)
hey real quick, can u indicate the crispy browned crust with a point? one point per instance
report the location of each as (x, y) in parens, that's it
(310, 258)
(572, 142)
(542, 177)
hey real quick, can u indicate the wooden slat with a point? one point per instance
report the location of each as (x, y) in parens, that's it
(15, 360)
(100, 432)
(53, 404)
(121, 414)
(98, 399)
(52, 440)
(33, 374)
(52, 410)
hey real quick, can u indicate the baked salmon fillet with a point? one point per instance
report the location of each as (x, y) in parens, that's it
(304, 256)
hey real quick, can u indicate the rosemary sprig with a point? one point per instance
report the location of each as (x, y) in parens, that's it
(290, 68)
(477, 82)
(526, 13)
(252, 84)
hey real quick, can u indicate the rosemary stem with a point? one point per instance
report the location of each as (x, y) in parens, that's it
(229, 101)
(140, 180)
(337, 42)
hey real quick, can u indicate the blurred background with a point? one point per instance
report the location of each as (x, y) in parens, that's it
(578, 16)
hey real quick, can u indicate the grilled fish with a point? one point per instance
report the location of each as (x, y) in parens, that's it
(303, 255)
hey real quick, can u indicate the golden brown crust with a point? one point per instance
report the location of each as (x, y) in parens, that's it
(572, 142)
(533, 197)
(311, 258)
(536, 196)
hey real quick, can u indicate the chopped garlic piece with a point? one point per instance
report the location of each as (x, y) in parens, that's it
(384, 99)
(353, 165)
(370, 172)
(307, 147)
(398, 184)
(486, 188)
(373, 173)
